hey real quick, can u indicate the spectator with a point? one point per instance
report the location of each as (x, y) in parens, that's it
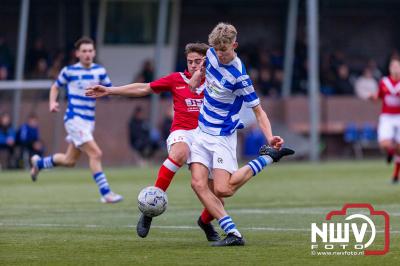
(28, 139)
(71, 59)
(342, 84)
(57, 65)
(337, 59)
(265, 81)
(376, 72)
(146, 75)
(140, 135)
(253, 140)
(36, 53)
(166, 124)
(6, 58)
(7, 138)
(264, 59)
(41, 70)
(277, 82)
(277, 59)
(3, 72)
(366, 85)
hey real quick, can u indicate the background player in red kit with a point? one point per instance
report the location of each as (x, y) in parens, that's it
(389, 119)
(186, 111)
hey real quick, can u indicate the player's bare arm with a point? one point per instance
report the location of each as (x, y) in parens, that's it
(130, 90)
(265, 125)
(195, 81)
(53, 104)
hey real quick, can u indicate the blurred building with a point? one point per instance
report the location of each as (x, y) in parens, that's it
(353, 34)
(126, 29)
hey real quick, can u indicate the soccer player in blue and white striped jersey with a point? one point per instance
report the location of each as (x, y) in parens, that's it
(79, 118)
(227, 88)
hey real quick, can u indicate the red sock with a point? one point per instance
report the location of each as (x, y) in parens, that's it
(396, 170)
(206, 217)
(166, 173)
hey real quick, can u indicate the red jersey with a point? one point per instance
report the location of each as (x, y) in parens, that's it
(389, 92)
(186, 104)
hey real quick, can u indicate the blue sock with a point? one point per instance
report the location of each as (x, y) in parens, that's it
(45, 163)
(259, 163)
(101, 181)
(228, 226)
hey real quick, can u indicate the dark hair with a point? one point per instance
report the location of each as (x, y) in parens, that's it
(83, 40)
(200, 48)
(394, 59)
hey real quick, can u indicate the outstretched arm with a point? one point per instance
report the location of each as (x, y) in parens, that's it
(130, 90)
(53, 104)
(265, 126)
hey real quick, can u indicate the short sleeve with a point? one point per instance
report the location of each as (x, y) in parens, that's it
(62, 78)
(105, 79)
(163, 84)
(244, 87)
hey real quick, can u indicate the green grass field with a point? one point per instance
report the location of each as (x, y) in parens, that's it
(59, 220)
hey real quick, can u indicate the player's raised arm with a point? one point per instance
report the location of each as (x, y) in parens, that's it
(265, 125)
(195, 81)
(130, 90)
(53, 104)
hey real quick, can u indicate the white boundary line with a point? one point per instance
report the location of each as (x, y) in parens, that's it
(170, 227)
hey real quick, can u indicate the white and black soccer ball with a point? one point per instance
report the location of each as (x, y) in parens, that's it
(152, 201)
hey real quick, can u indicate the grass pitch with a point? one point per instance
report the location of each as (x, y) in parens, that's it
(59, 221)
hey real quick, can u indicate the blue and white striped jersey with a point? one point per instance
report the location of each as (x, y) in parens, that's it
(226, 88)
(76, 79)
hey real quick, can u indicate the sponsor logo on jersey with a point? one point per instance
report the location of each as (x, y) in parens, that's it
(193, 104)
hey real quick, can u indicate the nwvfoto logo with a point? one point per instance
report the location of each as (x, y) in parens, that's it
(357, 226)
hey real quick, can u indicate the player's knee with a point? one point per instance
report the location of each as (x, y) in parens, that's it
(97, 155)
(69, 162)
(180, 157)
(198, 185)
(223, 191)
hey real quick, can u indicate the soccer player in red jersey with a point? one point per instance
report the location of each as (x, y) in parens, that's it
(186, 111)
(389, 119)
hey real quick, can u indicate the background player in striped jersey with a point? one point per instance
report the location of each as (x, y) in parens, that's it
(226, 88)
(79, 118)
(186, 111)
(389, 119)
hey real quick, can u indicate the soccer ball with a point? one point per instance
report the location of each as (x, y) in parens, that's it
(152, 201)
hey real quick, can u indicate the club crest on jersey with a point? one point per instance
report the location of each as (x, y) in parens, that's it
(213, 88)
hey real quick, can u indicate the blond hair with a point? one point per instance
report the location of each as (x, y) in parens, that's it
(222, 34)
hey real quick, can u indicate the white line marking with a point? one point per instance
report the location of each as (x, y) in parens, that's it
(171, 227)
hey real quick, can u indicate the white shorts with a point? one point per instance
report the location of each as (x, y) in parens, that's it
(79, 131)
(181, 135)
(215, 152)
(389, 127)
